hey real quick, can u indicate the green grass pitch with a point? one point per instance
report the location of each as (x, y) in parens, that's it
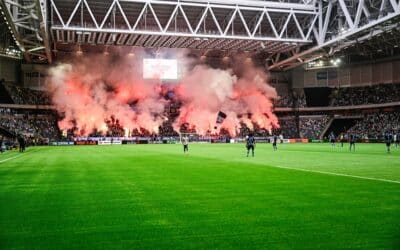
(155, 197)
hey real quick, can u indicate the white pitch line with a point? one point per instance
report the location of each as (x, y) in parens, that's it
(8, 159)
(339, 174)
(14, 157)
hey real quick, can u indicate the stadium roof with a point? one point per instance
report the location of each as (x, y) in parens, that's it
(287, 33)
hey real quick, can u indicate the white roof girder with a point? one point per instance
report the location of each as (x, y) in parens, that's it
(249, 20)
(27, 20)
(328, 31)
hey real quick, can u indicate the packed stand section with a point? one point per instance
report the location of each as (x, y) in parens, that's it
(301, 101)
(7, 143)
(27, 96)
(288, 127)
(374, 125)
(377, 94)
(290, 99)
(37, 126)
(284, 101)
(311, 127)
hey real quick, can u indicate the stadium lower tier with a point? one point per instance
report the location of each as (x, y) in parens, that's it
(40, 127)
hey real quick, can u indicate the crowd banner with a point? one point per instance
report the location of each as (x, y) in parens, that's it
(62, 143)
(85, 142)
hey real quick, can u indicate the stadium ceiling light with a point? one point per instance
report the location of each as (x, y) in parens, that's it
(335, 62)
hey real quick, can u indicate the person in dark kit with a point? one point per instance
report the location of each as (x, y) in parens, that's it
(250, 144)
(352, 140)
(185, 143)
(397, 141)
(21, 142)
(274, 141)
(388, 140)
(332, 139)
(1, 145)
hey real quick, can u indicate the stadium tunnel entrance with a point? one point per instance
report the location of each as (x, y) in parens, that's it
(341, 125)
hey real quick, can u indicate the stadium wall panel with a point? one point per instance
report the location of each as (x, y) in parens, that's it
(10, 70)
(355, 75)
(396, 71)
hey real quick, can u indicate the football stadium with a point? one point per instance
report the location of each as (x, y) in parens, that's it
(199, 124)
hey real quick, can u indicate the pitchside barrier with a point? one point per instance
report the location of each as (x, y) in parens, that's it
(174, 140)
(62, 143)
(166, 140)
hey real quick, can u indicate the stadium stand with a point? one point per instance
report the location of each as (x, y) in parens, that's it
(21, 95)
(382, 93)
(311, 127)
(41, 125)
(290, 99)
(289, 128)
(374, 125)
(38, 126)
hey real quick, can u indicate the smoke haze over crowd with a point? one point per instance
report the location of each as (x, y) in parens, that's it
(88, 90)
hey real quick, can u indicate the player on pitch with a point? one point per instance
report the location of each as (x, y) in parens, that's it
(250, 144)
(274, 141)
(185, 143)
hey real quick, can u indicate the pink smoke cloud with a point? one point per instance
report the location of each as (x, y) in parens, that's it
(88, 91)
(205, 91)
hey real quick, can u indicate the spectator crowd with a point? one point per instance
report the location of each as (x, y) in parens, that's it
(311, 127)
(376, 94)
(21, 95)
(375, 125)
(40, 126)
(288, 127)
(291, 99)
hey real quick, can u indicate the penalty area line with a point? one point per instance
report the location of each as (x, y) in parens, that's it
(339, 174)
